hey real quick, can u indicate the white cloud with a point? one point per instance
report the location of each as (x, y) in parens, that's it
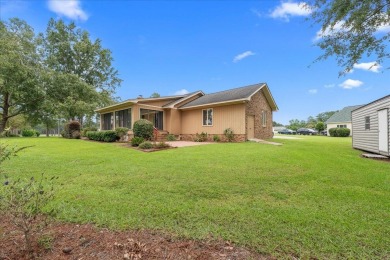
(370, 66)
(384, 28)
(329, 86)
(351, 83)
(243, 55)
(287, 9)
(181, 92)
(69, 8)
(313, 91)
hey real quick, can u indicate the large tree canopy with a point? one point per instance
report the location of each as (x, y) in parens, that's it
(352, 30)
(20, 70)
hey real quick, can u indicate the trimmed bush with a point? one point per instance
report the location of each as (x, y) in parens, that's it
(71, 130)
(161, 145)
(136, 141)
(102, 136)
(229, 134)
(202, 137)
(121, 132)
(216, 138)
(28, 133)
(86, 129)
(339, 132)
(146, 145)
(171, 137)
(143, 128)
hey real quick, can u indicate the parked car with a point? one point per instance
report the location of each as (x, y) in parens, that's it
(324, 132)
(306, 131)
(287, 132)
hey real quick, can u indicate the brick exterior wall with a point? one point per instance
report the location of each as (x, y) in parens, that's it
(254, 107)
(191, 137)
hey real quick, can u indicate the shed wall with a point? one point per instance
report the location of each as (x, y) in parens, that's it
(368, 140)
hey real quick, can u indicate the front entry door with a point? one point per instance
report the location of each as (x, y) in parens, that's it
(383, 126)
(251, 127)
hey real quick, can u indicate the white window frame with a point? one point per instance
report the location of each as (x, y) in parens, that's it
(264, 118)
(207, 117)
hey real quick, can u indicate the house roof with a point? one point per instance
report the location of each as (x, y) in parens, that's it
(189, 95)
(232, 95)
(344, 115)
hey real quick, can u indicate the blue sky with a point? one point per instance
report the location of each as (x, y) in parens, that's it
(173, 47)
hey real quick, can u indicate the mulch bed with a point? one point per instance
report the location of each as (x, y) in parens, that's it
(72, 241)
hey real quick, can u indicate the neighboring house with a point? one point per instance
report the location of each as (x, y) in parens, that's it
(341, 119)
(276, 129)
(246, 110)
(371, 124)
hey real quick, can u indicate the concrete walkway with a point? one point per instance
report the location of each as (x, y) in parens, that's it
(263, 141)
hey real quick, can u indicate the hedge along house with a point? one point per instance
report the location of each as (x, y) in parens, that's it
(371, 124)
(246, 110)
(341, 119)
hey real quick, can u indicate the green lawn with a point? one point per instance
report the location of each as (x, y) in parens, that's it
(313, 197)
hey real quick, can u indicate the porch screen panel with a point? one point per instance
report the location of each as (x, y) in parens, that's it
(123, 118)
(154, 116)
(107, 121)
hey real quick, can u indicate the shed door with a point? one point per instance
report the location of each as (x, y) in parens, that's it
(251, 127)
(383, 131)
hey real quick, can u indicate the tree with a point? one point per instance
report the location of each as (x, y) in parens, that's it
(155, 95)
(320, 126)
(20, 69)
(352, 30)
(84, 68)
(324, 116)
(311, 122)
(295, 124)
(274, 123)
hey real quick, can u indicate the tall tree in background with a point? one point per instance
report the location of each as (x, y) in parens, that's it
(155, 95)
(352, 30)
(21, 90)
(70, 52)
(324, 116)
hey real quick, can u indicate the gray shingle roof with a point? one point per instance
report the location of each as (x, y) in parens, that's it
(179, 100)
(344, 115)
(226, 95)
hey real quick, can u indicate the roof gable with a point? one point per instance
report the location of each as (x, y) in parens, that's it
(344, 115)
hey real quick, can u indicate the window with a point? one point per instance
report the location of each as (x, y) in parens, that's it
(341, 126)
(107, 121)
(264, 118)
(123, 118)
(154, 116)
(367, 123)
(207, 116)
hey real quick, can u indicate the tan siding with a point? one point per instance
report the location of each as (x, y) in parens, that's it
(231, 116)
(175, 122)
(368, 140)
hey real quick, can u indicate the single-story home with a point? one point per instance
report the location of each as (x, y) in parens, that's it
(246, 110)
(371, 124)
(341, 119)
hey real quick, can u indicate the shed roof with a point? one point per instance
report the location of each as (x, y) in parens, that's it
(344, 115)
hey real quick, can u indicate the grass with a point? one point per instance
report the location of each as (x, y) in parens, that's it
(313, 197)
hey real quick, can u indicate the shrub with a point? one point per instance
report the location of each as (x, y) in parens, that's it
(216, 138)
(202, 137)
(339, 132)
(161, 145)
(146, 145)
(37, 133)
(28, 132)
(229, 134)
(102, 136)
(8, 133)
(71, 130)
(136, 141)
(86, 129)
(24, 201)
(171, 137)
(121, 132)
(143, 128)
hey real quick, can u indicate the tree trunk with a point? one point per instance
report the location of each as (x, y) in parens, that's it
(4, 118)
(47, 130)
